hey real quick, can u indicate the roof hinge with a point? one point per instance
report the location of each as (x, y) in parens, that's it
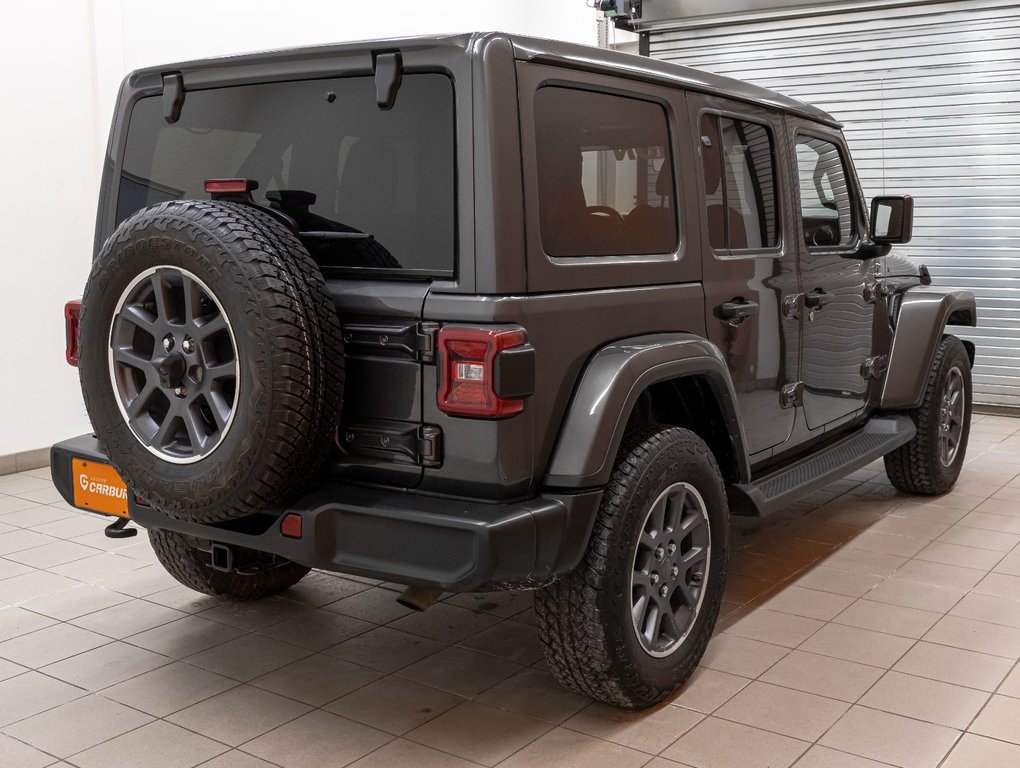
(173, 96)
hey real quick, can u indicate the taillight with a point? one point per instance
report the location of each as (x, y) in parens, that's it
(72, 312)
(468, 363)
(230, 186)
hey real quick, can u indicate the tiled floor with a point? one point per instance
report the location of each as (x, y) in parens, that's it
(861, 628)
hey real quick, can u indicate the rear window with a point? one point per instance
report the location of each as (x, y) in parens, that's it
(605, 176)
(321, 152)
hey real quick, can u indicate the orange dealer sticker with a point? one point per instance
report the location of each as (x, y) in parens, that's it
(98, 488)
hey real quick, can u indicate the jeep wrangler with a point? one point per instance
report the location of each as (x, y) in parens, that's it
(485, 312)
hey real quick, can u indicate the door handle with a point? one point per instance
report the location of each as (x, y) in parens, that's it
(737, 309)
(817, 298)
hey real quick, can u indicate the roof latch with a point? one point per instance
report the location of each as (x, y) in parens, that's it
(388, 68)
(173, 96)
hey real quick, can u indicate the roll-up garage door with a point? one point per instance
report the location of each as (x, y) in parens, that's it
(930, 97)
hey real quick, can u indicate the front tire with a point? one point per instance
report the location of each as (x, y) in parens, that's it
(931, 462)
(629, 625)
(188, 560)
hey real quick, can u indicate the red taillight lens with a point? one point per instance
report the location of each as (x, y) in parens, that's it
(72, 311)
(290, 526)
(213, 186)
(466, 371)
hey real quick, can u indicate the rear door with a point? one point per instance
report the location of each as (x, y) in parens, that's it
(750, 264)
(838, 316)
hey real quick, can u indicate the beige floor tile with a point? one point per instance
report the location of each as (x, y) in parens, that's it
(783, 710)
(126, 619)
(568, 749)
(77, 725)
(70, 527)
(892, 619)
(169, 689)
(707, 690)
(823, 757)
(877, 649)
(977, 636)
(74, 602)
(981, 539)
(649, 730)
(256, 614)
(180, 598)
(9, 669)
(316, 679)
(775, 628)
(890, 738)
(21, 539)
(401, 753)
(810, 603)
(924, 699)
(940, 575)
(994, 610)
(823, 675)
(49, 555)
(864, 561)
(45, 646)
(510, 640)
(1009, 564)
(715, 743)
(460, 671)
(740, 656)
(974, 751)
(156, 745)
(887, 543)
(238, 715)
(1000, 719)
(317, 630)
(929, 513)
(320, 588)
(838, 581)
(15, 621)
(999, 585)
(28, 694)
(317, 739)
(374, 604)
(15, 754)
(9, 568)
(184, 637)
(536, 693)
(989, 521)
(478, 732)
(914, 594)
(24, 587)
(924, 529)
(501, 604)
(111, 570)
(954, 665)
(446, 623)
(247, 657)
(385, 649)
(105, 666)
(999, 504)
(395, 705)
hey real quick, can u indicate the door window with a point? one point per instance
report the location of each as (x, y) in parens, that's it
(826, 200)
(740, 184)
(605, 175)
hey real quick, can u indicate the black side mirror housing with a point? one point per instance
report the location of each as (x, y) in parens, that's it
(892, 219)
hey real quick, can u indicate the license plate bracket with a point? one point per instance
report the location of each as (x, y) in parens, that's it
(98, 488)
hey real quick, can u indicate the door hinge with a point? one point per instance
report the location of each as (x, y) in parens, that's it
(422, 445)
(430, 446)
(791, 306)
(792, 395)
(874, 367)
(426, 335)
(871, 289)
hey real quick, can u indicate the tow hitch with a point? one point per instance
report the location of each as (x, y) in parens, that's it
(118, 529)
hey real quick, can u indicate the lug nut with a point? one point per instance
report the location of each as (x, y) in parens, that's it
(663, 590)
(180, 391)
(654, 578)
(187, 346)
(168, 342)
(672, 547)
(659, 552)
(674, 572)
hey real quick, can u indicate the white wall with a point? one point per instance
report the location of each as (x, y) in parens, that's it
(61, 63)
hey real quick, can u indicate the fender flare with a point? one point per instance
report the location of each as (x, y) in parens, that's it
(923, 315)
(608, 389)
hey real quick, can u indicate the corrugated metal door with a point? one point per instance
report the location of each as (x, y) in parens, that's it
(930, 95)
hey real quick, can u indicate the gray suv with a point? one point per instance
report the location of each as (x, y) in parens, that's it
(485, 312)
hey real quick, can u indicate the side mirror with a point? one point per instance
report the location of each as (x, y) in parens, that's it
(892, 219)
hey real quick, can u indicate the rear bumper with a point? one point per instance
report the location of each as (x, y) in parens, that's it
(457, 545)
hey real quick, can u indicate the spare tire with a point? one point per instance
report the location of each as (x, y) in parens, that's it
(211, 358)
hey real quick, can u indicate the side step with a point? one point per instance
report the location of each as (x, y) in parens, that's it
(774, 491)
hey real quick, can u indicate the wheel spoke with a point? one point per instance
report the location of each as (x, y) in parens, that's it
(192, 299)
(687, 593)
(650, 622)
(161, 298)
(128, 356)
(141, 401)
(693, 557)
(166, 430)
(638, 610)
(219, 408)
(657, 519)
(196, 432)
(211, 326)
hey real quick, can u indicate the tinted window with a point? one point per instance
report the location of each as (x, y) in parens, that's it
(321, 152)
(825, 198)
(605, 176)
(740, 184)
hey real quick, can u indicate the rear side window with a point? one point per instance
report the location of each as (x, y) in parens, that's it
(826, 202)
(738, 160)
(321, 152)
(605, 174)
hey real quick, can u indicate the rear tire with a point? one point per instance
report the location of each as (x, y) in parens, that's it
(931, 462)
(601, 624)
(184, 559)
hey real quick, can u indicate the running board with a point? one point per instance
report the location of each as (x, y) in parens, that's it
(772, 492)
